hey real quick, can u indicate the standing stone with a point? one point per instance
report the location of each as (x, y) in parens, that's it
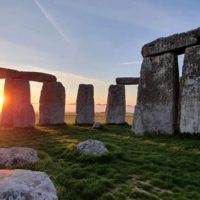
(190, 92)
(52, 104)
(116, 105)
(85, 105)
(17, 110)
(157, 102)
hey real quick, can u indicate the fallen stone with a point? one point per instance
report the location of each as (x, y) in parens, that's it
(190, 92)
(128, 80)
(94, 147)
(157, 102)
(85, 105)
(17, 156)
(52, 104)
(97, 125)
(30, 76)
(26, 185)
(176, 43)
(17, 111)
(116, 105)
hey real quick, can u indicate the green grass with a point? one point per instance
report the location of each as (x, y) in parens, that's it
(135, 168)
(99, 117)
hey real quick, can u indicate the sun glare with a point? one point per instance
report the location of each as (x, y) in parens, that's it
(1, 100)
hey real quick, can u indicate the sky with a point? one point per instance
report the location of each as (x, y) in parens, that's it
(87, 41)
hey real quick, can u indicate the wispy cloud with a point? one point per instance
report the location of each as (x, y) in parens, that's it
(52, 21)
(131, 63)
(151, 18)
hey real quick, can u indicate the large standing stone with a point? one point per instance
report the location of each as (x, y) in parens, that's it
(156, 109)
(116, 105)
(52, 104)
(17, 110)
(176, 43)
(190, 92)
(85, 105)
(26, 185)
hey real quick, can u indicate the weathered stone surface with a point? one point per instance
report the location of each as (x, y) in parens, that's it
(31, 76)
(17, 110)
(17, 156)
(94, 147)
(26, 185)
(190, 92)
(52, 104)
(97, 125)
(128, 80)
(116, 105)
(85, 105)
(7, 73)
(37, 76)
(156, 109)
(176, 43)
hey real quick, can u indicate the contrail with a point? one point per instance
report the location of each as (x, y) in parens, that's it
(52, 21)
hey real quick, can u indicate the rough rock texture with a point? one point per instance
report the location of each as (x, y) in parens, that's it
(52, 104)
(176, 43)
(17, 110)
(37, 76)
(97, 125)
(190, 92)
(85, 105)
(157, 102)
(94, 147)
(128, 80)
(26, 185)
(17, 156)
(116, 105)
(31, 76)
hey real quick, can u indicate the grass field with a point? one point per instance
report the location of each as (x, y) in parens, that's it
(99, 117)
(145, 168)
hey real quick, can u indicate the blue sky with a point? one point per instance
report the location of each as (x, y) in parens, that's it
(87, 41)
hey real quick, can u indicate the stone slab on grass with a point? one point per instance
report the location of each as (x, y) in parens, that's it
(18, 156)
(26, 185)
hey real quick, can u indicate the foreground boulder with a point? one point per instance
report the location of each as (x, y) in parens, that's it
(157, 102)
(85, 105)
(17, 156)
(116, 105)
(26, 185)
(94, 147)
(176, 43)
(17, 111)
(52, 104)
(190, 92)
